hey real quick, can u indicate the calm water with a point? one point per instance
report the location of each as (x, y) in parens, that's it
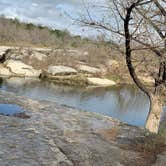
(124, 103)
(10, 109)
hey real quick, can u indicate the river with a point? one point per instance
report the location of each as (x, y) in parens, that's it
(125, 103)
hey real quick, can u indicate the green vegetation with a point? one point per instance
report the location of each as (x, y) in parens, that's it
(14, 32)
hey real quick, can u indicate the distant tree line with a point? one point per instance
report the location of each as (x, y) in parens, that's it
(12, 31)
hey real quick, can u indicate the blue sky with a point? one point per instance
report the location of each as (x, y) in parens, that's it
(52, 13)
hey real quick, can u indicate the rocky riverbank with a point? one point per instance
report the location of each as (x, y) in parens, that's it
(56, 135)
(62, 66)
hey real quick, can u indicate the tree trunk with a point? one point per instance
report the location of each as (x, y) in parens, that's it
(155, 110)
(154, 116)
(162, 72)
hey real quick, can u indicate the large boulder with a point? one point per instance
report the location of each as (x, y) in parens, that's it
(4, 49)
(4, 71)
(88, 69)
(19, 68)
(100, 82)
(61, 70)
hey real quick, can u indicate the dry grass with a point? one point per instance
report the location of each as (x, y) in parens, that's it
(148, 147)
(92, 56)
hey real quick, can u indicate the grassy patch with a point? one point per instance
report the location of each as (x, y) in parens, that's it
(149, 146)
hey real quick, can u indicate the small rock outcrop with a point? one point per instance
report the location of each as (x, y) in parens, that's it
(18, 68)
(4, 71)
(61, 70)
(89, 69)
(100, 82)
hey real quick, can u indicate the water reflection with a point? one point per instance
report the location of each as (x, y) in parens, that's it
(124, 103)
(10, 109)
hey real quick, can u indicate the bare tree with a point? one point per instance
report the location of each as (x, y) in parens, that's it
(142, 25)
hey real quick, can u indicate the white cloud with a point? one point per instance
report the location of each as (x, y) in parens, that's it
(48, 12)
(35, 4)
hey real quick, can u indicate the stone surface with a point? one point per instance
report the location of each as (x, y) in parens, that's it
(100, 82)
(18, 68)
(61, 70)
(56, 135)
(4, 71)
(3, 49)
(88, 69)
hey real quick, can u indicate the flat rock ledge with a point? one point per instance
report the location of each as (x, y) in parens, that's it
(57, 135)
(61, 70)
(89, 69)
(100, 81)
(18, 68)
